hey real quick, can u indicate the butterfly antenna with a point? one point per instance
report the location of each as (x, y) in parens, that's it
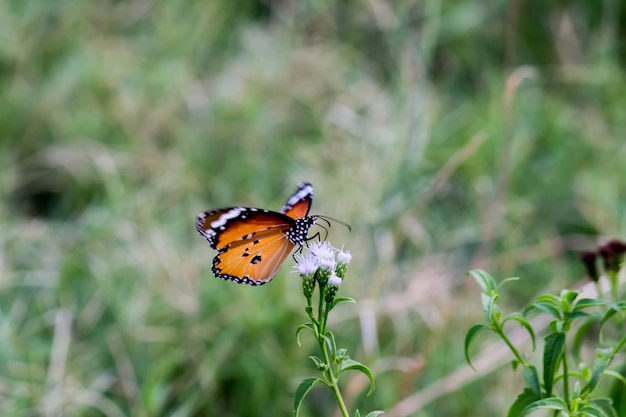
(326, 219)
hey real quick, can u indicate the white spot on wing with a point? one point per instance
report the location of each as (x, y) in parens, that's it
(221, 221)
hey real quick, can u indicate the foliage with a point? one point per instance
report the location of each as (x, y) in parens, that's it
(565, 311)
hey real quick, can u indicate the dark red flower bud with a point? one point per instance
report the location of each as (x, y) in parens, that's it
(589, 260)
(617, 246)
(613, 254)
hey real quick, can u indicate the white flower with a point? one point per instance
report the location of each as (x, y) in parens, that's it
(325, 254)
(306, 264)
(344, 256)
(322, 250)
(334, 280)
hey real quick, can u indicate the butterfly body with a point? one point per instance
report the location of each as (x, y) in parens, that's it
(251, 243)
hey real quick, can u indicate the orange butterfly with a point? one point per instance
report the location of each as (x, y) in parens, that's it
(252, 244)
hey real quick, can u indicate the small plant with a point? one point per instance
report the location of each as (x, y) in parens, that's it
(565, 388)
(325, 266)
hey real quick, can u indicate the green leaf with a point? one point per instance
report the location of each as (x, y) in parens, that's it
(319, 363)
(567, 298)
(546, 403)
(618, 308)
(352, 364)
(531, 376)
(575, 392)
(580, 335)
(603, 360)
(549, 304)
(486, 281)
(375, 413)
(599, 407)
(577, 315)
(585, 303)
(342, 354)
(524, 323)
(308, 326)
(332, 346)
(557, 326)
(471, 333)
(522, 401)
(343, 300)
(303, 389)
(617, 376)
(552, 351)
(490, 308)
(509, 279)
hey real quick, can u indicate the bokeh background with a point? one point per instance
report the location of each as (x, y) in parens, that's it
(450, 134)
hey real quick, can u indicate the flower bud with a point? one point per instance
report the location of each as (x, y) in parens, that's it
(333, 286)
(322, 275)
(589, 261)
(308, 285)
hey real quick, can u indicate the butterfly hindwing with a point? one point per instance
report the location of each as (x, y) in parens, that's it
(253, 261)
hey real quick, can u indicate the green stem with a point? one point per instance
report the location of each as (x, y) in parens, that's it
(331, 379)
(309, 310)
(320, 310)
(320, 323)
(519, 357)
(613, 281)
(342, 405)
(565, 378)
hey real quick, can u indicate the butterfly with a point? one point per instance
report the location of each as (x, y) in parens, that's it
(252, 244)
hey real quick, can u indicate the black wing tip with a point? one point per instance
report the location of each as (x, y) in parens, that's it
(304, 192)
(305, 184)
(208, 234)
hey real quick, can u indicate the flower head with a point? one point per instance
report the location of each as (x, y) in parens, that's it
(306, 263)
(334, 280)
(325, 254)
(344, 256)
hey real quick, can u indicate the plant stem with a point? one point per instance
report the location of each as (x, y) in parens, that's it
(565, 378)
(320, 324)
(330, 376)
(342, 405)
(309, 311)
(320, 310)
(613, 281)
(519, 357)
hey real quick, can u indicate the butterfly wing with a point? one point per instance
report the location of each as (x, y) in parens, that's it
(299, 204)
(253, 263)
(252, 244)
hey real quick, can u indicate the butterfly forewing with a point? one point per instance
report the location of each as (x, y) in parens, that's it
(299, 203)
(221, 227)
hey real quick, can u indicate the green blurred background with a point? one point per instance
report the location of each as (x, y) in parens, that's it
(450, 134)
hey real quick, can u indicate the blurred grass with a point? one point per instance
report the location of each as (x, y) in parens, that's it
(449, 134)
